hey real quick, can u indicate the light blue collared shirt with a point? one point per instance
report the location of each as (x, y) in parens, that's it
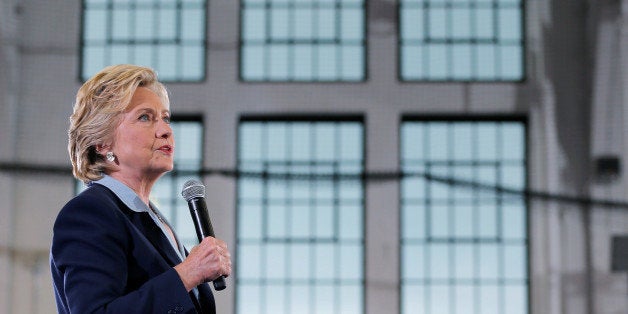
(133, 201)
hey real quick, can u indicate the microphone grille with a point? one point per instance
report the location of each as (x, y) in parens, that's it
(193, 189)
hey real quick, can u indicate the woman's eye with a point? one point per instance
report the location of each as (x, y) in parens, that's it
(167, 119)
(144, 117)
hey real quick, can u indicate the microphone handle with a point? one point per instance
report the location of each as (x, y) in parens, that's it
(204, 229)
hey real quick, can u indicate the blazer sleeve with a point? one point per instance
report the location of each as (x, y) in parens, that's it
(90, 257)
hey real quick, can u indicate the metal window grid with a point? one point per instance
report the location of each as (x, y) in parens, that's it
(463, 249)
(461, 40)
(168, 36)
(300, 241)
(302, 41)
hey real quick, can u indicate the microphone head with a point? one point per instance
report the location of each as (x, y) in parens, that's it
(193, 189)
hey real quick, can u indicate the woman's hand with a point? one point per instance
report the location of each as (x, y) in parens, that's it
(207, 261)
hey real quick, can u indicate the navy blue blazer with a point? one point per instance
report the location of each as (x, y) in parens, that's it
(107, 258)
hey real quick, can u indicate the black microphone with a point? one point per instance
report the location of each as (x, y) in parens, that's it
(194, 193)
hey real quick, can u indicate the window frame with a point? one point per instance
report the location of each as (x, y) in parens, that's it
(313, 119)
(451, 119)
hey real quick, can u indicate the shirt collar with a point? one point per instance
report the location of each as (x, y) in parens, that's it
(125, 193)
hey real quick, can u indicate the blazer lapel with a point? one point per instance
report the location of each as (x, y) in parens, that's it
(155, 236)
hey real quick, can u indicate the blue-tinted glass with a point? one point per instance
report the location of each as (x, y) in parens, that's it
(193, 67)
(413, 299)
(310, 229)
(167, 60)
(94, 58)
(462, 145)
(253, 60)
(119, 53)
(437, 23)
(438, 61)
(278, 65)
(155, 33)
(303, 63)
(489, 294)
(94, 22)
(511, 62)
(517, 297)
(461, 40)
(167, 25)
(485, 23)
(351, 26)
(304, 40)
(352, 62)
(486, 66)
(461, 26)
(510, 24)
(251, 214)
(326, 23)
(351, 141)
(279, 24)
(463, 221)
(254, 25)
(144, 24)
(351, 300)
(303, 24)
(462, 67)
(412, 24)
(514, 257)
(324, 222)
(437, 136)
(121, 25)
(439, 221)
(464, 260)
(327, 62)
(486, 141)
(514, 222)
(475, 238)
(192, 25)
(143, 54)
(412, 59)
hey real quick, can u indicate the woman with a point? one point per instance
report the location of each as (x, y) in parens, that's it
(112, 251)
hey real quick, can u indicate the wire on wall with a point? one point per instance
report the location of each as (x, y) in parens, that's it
(370, 176)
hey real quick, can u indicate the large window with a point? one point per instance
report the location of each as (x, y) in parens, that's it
(302, 40)
(464, 244)
(300, 217)
(461, 40)
(168, 36)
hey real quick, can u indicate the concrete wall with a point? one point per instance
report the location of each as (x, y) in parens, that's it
(566, 98)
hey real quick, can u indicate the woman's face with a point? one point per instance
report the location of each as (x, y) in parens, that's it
(143, 143)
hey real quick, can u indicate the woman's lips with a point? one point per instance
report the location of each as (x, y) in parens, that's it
(167, 149)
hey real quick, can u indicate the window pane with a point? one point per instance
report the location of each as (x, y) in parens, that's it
(305, 218)
(160, 34)
(304, 40)
(461, 40)
(463, 247)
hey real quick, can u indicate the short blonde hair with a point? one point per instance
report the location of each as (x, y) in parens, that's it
(97, 112)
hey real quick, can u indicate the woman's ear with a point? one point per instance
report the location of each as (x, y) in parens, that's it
(102, 149)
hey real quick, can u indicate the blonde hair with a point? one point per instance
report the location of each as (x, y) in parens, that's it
(97, 112)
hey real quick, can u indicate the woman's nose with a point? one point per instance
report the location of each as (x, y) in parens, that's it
(164, 130)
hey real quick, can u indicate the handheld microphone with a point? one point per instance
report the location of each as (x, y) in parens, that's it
(194, 193)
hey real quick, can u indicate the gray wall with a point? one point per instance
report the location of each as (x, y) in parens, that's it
(573, 97)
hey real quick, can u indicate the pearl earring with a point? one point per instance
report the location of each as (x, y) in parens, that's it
(110, 156)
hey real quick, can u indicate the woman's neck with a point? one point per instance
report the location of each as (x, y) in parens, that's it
(140, 185)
